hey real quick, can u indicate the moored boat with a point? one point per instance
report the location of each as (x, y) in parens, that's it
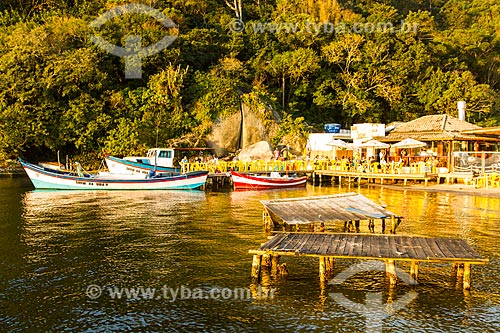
(260, 182)
(137, 165)
(44, 178)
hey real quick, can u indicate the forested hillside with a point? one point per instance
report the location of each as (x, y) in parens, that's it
(323, 60)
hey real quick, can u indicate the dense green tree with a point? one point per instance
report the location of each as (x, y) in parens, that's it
(307, 61)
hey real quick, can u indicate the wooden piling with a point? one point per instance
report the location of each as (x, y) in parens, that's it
(460, 271)
(275, 261)
(266, 260)
(466, 276)
(330, 264)
(371, 226)
(322, 268)
(414, 270)
(361, 246)
(256, 266)
(393, 224)
(390, 269)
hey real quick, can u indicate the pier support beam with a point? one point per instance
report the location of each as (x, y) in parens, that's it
(466, 276)
(330, 264)
(390, 269)
(460, 271)
(414, 270)
(322, 268)
(256, 266)
(393, 224)
(371, 226)
(275, 261)
(266, 260)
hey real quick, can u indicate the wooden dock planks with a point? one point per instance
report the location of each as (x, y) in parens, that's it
(339, 207)
(367, 246)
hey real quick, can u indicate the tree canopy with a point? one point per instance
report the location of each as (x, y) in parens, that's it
(315, 62)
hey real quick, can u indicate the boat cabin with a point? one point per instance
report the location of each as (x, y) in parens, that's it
(163, 157)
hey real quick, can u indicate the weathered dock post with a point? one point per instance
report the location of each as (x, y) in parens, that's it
(371, 226)
(256, 266)
(466, 276)
(356, 225)
(266, 260)
(393, 224)
(414, 270)
(268, 222)
(322, 269)
(275, 261)
(390, 269)
(460, 271)
(330, 265)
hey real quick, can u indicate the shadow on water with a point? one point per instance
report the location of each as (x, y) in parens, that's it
(55, 244)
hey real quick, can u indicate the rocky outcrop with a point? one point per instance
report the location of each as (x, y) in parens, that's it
(225, 135)
(296, 145)
(261, 150)
(242, 130)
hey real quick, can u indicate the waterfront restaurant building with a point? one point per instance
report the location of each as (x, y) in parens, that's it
(448, 139)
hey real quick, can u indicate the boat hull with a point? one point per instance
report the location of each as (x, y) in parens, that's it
(45, 179)
(247, 182)
(122, 166)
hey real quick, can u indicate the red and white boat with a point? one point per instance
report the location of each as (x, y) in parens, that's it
(256, 182)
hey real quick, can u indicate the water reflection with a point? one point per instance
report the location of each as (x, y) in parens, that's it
(54, 244)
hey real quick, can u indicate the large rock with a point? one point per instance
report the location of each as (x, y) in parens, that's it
(296, 145)
(225, 135)
(242, 129)
(261, 150)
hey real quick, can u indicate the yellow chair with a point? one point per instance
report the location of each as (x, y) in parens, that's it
(495, 180)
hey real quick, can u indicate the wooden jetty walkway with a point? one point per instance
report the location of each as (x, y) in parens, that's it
(372, 177)
(389, 248)
(349, 208)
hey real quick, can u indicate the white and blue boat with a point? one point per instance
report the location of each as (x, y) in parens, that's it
(45, 178)
(159, 159)
(136, 165)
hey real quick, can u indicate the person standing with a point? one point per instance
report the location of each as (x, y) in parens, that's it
(284, 153)
(276, 154)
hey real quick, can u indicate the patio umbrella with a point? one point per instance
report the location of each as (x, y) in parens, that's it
(374, 144)
(337, 143)
(409, 143)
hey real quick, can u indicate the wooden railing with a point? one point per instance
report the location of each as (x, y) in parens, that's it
(309, 166)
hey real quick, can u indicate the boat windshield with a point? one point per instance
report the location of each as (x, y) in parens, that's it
(151, 153)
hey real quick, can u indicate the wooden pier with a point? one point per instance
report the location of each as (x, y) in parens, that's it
(349, 208)
(218, 181)
(389, 248)
(372, 177)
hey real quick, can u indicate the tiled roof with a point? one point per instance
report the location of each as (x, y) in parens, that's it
(435, 123)
(433, 136)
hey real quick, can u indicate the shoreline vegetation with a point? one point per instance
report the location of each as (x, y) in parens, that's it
(61, 92)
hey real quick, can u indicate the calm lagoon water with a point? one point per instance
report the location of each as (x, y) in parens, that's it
(58, 249)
